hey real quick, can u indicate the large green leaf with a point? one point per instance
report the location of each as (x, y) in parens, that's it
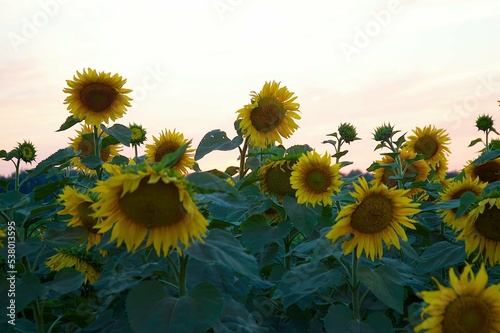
(13, 199)
(303, 217)
(491, 155)
(385, 283)
(28, 288)
(150, 310)
(92, 161)
(304, 280)
(59, 157)
(68, 123)
(216, 140)
(256, 232)
(222, 247)
(120, 132)
(339, 319)
(441, 255)
(66, 280)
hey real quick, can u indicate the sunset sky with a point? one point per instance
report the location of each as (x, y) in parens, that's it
(192, 65)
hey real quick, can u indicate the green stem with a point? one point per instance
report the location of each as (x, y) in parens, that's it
(35, 305)
(183, 260)
(487, 144)
(243, 157)
(355, 286)
(16, 186)
(337, 157)
(136, 154)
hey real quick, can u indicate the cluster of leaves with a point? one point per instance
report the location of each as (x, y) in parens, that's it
(265, 265)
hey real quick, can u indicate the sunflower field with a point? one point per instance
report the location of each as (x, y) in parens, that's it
(280, 241)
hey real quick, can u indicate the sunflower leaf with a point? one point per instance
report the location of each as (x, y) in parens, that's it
(120, 132)
(92, 162)
(109, 141)
(66, 280)
(168, 160)
(473, 142)
(466, 199)
(216, 140)
(385, 283)
(487, 157)
(441, 255)
(59, 157)
(70, 122)
(222, 247)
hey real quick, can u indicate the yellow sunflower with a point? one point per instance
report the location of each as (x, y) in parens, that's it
(488, 171)
(431, 142)
(168, 142)
(274, 177)
(270, 115)
(135, 202)
(482, 231)
(315, 179)
(377, 215)
(86, 147)
(78, 205)
(440, 169)
(97, 97)
(455, 191)
(420, 167)
(2, 235)
(467, 307)
(83, 262)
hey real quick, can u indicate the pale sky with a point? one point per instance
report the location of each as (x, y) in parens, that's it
(192, 65)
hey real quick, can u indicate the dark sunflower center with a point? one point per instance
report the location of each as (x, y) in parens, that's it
(164, 149)
(373, 214)
(426, 145)
(268, 115)
(84, 211)
(488, 223)
(153, 205)
(467, 314)
(87, 148)
(278, 180)
(488, 172)
(318, 181)
(97, 97)
(390, 182)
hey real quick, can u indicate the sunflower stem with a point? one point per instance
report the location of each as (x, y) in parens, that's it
(16, 186)
(243, 153)
(487, 144)
(355, 286)
(183, 260)
(97, 149)
(136, 154)
(35, 305)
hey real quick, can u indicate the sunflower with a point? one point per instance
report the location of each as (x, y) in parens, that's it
(82, 261)
(467, 307)
(97, 97)
(431, 142)
(488, 171)
(270, 115)
(419, 167)
(26, 151)
(440, 169)
(137, 201)
(274, 177)
(85, 145)
(169, 142)
(138, 134)
(482, 230)
(78, 205)
(315, 179)
(2, 235)
(376, 216)
(455, 191)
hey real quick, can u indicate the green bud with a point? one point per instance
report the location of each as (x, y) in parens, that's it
(348, 132)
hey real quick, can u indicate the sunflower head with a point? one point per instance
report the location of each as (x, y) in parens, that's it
(466, 306)
(488, 171)
(148, 200)
(2, 235)
(168, 142)
(484, 123)
(274, 177)
(384, 132)
(138, 134)
(348, 132)
(81, 260)
(270, 115)
(454, 191)
(429, 141)
(97, 97)
(26, 151)
(376, 217)
(84, 143)
(78, 206)
(315, 179)
(481, 230)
